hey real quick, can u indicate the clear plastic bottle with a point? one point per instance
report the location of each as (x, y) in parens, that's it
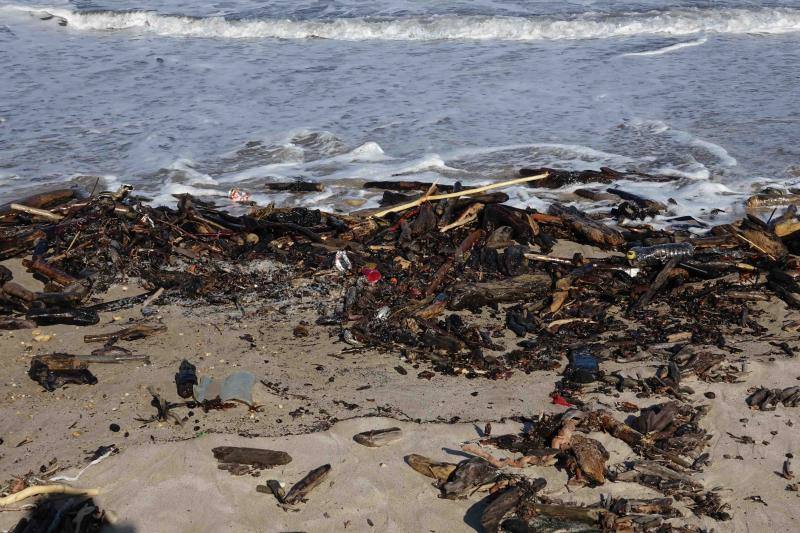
(639, 255)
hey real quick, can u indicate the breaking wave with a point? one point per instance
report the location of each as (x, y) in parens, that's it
(445, 27)
(668, 49)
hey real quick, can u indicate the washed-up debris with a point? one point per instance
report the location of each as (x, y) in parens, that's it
(104, 453)
(666, 438)
(437, 470)
(186, 379)
(237, 387)
(463, 284)
(378, 437)
(766, 399)
(56, 370)
(240, 461)
(303, 488)
(38, 490)
(139, 331)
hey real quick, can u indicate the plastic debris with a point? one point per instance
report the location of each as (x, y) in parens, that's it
(639, 255)
(237, 387)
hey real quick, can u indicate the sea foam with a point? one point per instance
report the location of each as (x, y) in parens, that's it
(445, 27)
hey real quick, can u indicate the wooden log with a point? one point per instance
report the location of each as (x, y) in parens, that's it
(296, 186)
(517, 289)
(138, 331)
(36, 212)
(465, 192)
(40, 201)
(594, 231)
(18, 291)
(406, 186)
(257, 457)
(49, 271)
(651, 206)
(302, 488)
(499, 507)
(16, 323)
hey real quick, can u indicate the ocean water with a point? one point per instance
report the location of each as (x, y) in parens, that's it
(178, 96)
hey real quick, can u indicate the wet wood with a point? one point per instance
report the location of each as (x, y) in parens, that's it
(594, 231)
(49, 271)
(517, 289)
(651, 206)
(40, 201)
(465, 246)
(662, 277)
(465, 192)
(8, 324)
(296, 186)
(421, 186)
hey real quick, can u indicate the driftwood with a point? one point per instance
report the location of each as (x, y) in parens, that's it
(378, 437)
(437, 470)
(37, 201)
(302, 488)
(651, 206)
(465, 192)
(464, 248)
(139, 331)
(517, 289)
(659, 282)
(592, 230)
(49, 271)
(38, 490)
(251, 456)
(296, 186)
(406, 186)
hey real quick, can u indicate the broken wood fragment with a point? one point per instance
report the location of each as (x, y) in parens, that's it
(303, 488)
(257, 457)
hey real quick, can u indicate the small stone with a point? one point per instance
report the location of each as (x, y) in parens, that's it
(114, 428)
(710, 395)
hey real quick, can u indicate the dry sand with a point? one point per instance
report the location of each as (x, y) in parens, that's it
(322, 392)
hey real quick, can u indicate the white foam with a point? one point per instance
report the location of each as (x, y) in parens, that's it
(452, 27)
(658, 127)
(670, 48)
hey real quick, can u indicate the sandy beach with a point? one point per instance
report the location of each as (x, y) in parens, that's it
(317, 392)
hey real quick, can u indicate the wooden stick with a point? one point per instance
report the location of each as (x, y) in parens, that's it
(467, 192)
(45, 489)
(33, 211)
(469, 214)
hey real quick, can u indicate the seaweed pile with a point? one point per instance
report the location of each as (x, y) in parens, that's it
(451, 276)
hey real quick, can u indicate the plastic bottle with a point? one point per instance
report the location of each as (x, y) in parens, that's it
(661, 252)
